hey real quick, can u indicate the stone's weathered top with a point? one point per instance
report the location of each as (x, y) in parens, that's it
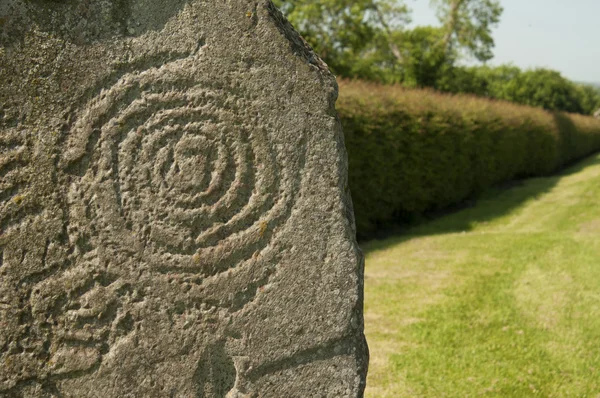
(175, 219)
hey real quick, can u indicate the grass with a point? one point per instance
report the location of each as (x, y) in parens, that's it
(499, 300)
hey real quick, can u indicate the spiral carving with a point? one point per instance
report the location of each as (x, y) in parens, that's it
(192, 170)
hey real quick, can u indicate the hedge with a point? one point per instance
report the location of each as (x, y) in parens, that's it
(414, 151)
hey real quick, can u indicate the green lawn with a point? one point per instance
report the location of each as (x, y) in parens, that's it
(501, 299)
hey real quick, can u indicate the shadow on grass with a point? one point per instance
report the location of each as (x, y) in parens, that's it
(491, 204)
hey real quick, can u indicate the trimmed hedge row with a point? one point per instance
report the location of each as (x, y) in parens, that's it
(413, 151)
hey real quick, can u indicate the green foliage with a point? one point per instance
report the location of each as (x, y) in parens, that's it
(366, 39)
(424, 58)
(467, 25)
(589, 98)
(412, 151)
(462, 80)
(540, 87)
(544, 88)
(348, 34)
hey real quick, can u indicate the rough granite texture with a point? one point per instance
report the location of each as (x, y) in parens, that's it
(175, 219)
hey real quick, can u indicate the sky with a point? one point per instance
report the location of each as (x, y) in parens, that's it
(563, 35)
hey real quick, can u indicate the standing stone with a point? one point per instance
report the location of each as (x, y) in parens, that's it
(174, 211)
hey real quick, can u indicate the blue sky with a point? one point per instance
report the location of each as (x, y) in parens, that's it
(563, 35)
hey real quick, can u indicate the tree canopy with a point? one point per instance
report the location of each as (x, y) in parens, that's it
(352, 36)
(371, 40)
(467, 25)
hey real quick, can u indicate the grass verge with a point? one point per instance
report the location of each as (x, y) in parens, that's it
(501, 299)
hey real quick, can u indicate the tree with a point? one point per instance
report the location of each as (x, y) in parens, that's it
(467, 25)
(547, 89)
(367, 39)
(589, 97)
(461, 79)
(503, 82)
(540, 87)
(352, 36)
(424, 60)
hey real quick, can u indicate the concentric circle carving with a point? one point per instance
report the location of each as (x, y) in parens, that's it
(188, 168)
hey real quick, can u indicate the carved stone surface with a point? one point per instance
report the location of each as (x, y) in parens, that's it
(175, 218)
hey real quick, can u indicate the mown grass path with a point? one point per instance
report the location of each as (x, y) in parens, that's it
(498, 300)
